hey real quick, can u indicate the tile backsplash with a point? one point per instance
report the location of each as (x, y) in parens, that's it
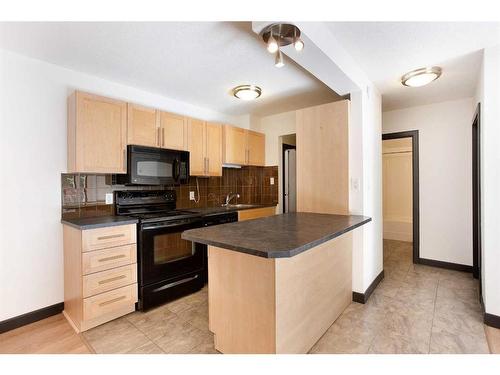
(84, 195)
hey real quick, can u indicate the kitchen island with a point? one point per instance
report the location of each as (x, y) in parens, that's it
(276, 284)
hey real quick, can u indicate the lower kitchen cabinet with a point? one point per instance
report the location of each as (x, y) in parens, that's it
(100, 274)
(255, 213)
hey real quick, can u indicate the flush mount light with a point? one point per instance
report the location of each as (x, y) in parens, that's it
(421, 77)
(247, 92)
(278, 35)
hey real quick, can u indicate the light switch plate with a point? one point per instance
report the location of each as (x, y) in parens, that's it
(109, 198)
(191, 196)
(355, 184)
(271, 181)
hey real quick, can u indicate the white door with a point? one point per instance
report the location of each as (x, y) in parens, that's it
(290, 181)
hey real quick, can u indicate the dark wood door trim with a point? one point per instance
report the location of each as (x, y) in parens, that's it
(413, 134)
(476, 194)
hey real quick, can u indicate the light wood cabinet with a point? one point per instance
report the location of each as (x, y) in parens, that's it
(243, 147)
(323, 158)
(100, 274)
(97, 134)
(235, 145)
(143, 126)
(256, 148)
(205, 148)
(256, 213)
(213, 149)
(173, 131)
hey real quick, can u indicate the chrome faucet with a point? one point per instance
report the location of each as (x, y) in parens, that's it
(229, 197)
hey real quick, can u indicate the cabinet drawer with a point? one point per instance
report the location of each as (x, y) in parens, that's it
(107, 302)
(101, 260)
(101, 282)
(101, 238)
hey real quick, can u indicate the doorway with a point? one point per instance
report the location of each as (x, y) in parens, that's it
(401, 189)
(288, 173)
(476, 198)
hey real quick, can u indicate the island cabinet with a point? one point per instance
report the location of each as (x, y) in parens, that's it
(97, 134)
(100, 274)
(276, 284)
(243, 146)
(143, 126)
(205, 148)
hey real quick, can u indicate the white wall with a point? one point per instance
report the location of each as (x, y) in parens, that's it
(274, 127)
(488, 94)
(445, 175)
(32, 157)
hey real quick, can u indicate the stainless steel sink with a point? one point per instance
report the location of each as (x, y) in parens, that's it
(237, 206)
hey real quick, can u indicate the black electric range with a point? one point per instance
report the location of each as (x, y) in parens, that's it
(168, 266)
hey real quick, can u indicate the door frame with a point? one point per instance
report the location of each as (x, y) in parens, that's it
(285, 146)
(476, 195)
(413, 134)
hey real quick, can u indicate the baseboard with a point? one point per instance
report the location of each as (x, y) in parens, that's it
(363, 297)
(447, 265)
(31, 317)
(492, 320)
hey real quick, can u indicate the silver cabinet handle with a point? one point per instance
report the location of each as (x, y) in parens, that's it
(110, 236)
(163, 137)
(208, 165)
(112, 301)
(116, 278)
(158, 137)
(114, 257)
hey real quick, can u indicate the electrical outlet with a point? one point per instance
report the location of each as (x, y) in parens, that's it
(355, 184)
(191, 196)
(109, 198)
(271, 181)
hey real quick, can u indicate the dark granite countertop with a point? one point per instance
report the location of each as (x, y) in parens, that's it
(279, 236)
(98, 222)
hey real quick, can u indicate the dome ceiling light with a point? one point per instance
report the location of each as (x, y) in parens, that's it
(421, 77)
(247, 92)
(278, 35)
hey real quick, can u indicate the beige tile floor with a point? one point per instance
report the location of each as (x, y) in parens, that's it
(415, 309)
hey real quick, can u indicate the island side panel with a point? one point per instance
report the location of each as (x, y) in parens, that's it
(241, 301)
(312, 290)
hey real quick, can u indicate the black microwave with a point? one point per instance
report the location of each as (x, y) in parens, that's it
(155, 166)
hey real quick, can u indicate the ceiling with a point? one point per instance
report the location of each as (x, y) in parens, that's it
(387, 50)
(194, 62)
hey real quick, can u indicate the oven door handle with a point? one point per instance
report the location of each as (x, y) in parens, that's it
(169, 225)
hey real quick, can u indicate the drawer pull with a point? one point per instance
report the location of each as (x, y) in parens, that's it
(112, 300)
(112, 258)
(112, 279)
(111, 236)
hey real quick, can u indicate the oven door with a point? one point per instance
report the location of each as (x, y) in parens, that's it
(163, 254)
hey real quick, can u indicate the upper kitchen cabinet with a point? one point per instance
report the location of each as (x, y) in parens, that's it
(97, 134)
(243, 147)
(256, 148)
(174, 133)
(205, 148)
(214, 149)
(143, 126)
(235, 145)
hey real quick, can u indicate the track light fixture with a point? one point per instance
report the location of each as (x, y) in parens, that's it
(272, 44)
(278, 35)
(278, 61)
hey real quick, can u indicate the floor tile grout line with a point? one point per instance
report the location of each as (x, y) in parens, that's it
(145, 334)
(433, 315)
